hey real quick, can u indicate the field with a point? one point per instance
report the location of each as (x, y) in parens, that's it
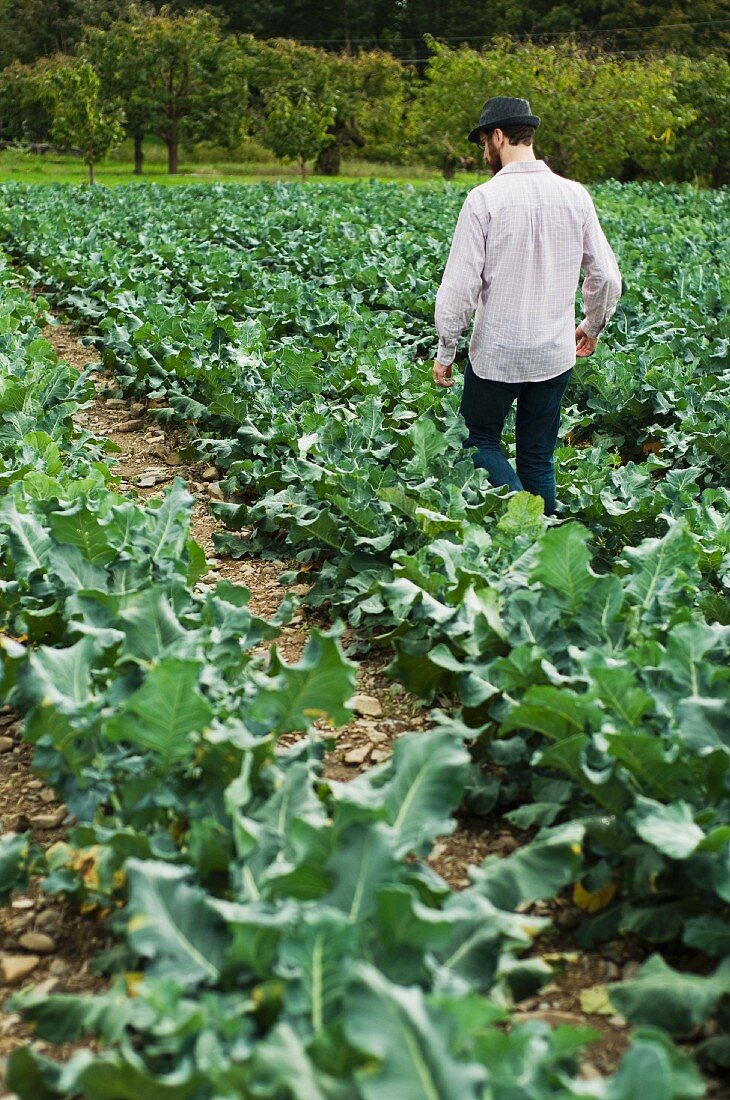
(287, 927)
(25, 167)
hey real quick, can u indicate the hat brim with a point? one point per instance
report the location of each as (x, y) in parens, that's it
(519, 120)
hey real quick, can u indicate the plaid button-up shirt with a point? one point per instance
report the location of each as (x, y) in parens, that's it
(519, 244)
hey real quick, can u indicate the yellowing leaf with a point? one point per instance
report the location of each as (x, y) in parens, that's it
(590, 901)
(595, 1001)
(133, 979)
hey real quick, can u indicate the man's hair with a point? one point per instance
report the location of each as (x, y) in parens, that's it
(517, 135)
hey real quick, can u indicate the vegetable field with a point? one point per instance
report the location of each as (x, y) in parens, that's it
(281, 934)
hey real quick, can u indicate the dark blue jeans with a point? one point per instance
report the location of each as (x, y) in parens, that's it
(484, 406)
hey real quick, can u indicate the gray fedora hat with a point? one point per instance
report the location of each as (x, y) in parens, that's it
(502, 110)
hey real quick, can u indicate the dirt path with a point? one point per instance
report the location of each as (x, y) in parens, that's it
(150, 457)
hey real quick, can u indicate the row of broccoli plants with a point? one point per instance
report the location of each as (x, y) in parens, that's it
(412, 570)
(293, 941)
(278, 321)
(356, 466)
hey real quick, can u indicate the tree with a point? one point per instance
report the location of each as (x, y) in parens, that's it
(27, 96)
(294, 97)
(179, 77)
(81, 117)
(298, 127)
(30, 29)
(343, 100)
(372, 88)
(703, 87)
(597, 111)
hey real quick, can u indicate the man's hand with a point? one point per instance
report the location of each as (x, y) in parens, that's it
(584, 345)
(442, 374)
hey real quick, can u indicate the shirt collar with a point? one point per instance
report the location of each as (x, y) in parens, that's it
(525, 166)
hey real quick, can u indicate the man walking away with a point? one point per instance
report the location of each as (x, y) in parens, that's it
(519, 244)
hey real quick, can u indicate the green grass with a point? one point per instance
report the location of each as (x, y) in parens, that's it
(52, 168)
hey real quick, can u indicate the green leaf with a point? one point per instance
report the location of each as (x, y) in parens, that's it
(652, 1067)
(708, 934)
(82, 528)
(670, 829)
(426, 783)
(30, 544)
(558, 713)
(539, 870)
(658, 569)
(667, 998)
(61, 678)
(282, 1067)
(163, 713)
(314, 959)
(14, 863)
(31, 1076)
(563, 564)
(173, 924)
(151, 626)
(317, 686)
(405, 1037)
(364, 860)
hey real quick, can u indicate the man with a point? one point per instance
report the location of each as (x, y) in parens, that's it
(519, 244)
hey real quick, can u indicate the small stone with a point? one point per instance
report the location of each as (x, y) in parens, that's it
(629, 971)
(210, 578)
(38, 942)
(16, 967)
(300, 589)
(130, 425)
(35, 784)
(209, 474)
(376, 736)
(618, 1021)
(115, 403)
(137, 407)
(154, 437)
(379, 755)
(589, 1072)
(6, 744)
(19, 924)
(49, 821)
(48, 921)
(358, 755)
(147, 481)
(366, 704)
(23, 903)
(215, 490)
(48, 796)
(58, 967)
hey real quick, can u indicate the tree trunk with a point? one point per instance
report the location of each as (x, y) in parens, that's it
(91, 172)
(172, 155)
(719, 175)
(448, 165)
(328, 160)
(303, 168)
(138, 154)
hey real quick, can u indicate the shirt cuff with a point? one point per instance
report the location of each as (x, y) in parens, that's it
(445, 355)
(591, 330)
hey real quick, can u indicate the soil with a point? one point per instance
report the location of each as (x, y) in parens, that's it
(150, 457)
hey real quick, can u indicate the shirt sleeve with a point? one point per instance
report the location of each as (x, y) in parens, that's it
(462, 280)
(602, 281)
